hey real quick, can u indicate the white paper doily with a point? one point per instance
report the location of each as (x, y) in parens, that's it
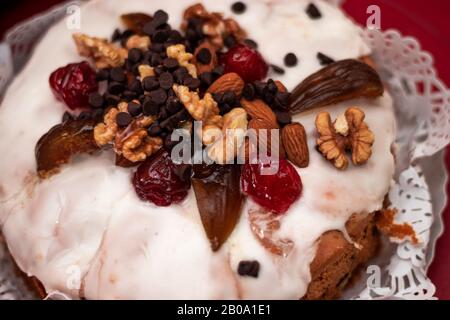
(422, 104)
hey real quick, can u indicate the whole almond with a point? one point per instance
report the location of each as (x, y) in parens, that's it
(228, 82)
(294, 140)
(201, 68)
(258, 109)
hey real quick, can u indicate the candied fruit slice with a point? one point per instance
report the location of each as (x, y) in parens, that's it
(63, 141)
(219, 200)
(275, 191)
(340, 81)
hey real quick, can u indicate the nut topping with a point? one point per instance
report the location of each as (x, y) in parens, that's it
(294, 141)
(184, 58)
(103, 52)
(340, 81)
(333, 144)
(228, 82)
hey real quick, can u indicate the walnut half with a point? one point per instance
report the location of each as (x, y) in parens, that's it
(348, 132)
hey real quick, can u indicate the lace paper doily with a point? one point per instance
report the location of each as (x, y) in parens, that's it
(422, 105)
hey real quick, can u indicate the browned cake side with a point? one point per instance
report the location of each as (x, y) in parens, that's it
(337, 260)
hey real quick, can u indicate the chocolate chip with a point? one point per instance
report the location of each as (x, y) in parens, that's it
(157, 47)
(173, 105)
(160, 36)
(259, 87)
(251, 43)
(85, 115)
(182, 115)
(175, 37)
(154, 129)
(277, 69)
(206, 78)
(134, 109)
(96, 100)
(159, 70)
(229, 97)
(192, 83)
(123, 119)
(290, 60)
(117, 74)
(248, 268)
(160, 18)
(158, 96)
(135, 86)
(224, 108)
(116, 36)
(323, 59)
(249, 91)
(115, 88)
(229, 41)
(218, 71)
(313, 12)
(163, 114)
(67, 116)
(155, 60)
(204, 56)
(102, 74)
(129, 95)
(150, 108)
(135, 55)
(271, 86)
(150, 83)
(166, 80)
(283, 99)
(125, 35)
(170, 63)
(180, 74)
(111, 100)
(183, 171)
(283, 117)
(238, 7)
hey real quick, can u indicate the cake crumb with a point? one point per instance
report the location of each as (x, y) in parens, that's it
(386, 224)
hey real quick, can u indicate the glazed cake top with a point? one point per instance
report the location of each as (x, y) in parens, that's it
(84, 232)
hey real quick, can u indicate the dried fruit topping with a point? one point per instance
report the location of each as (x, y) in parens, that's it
(245, 61)
(61, 142)
(219, 200)
(348, 132)
(295, 143)
(73, 84)
(135, 21)
(264, 226)
(274, 191)
(156, 180)
(340, 81)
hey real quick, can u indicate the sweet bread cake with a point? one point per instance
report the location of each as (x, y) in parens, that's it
(93, 203)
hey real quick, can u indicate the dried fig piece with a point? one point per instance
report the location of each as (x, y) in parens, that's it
(219, 200)
(340, 81)
(135, 21)
(61, 142)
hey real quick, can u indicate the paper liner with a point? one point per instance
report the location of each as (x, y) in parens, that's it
(422, 105)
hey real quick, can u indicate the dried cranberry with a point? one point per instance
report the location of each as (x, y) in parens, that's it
(156, 180)
(245, 61)
(275, 192)
(73, 84)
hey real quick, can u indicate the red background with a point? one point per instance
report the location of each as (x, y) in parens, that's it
(426, 20)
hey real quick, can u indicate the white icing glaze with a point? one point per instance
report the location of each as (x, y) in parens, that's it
(87, 220)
